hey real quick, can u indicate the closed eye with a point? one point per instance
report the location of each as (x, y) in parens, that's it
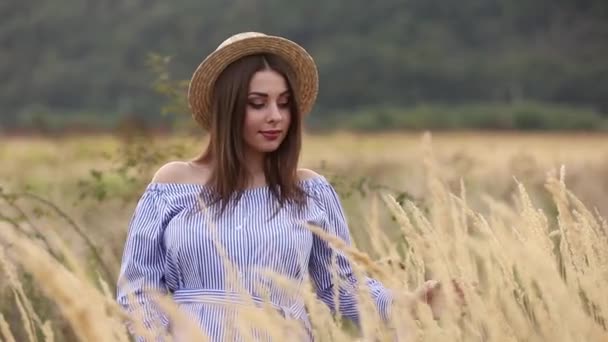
(256, 105)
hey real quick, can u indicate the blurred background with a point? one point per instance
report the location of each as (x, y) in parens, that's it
(97, 65)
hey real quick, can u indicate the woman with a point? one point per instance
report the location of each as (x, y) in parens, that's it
(251, 95)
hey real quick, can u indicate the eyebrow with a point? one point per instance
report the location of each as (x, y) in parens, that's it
(286, 92)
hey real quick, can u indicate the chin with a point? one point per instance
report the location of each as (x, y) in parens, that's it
(264, 146)
(267, 149)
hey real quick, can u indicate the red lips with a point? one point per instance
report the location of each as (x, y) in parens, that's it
(271, 134)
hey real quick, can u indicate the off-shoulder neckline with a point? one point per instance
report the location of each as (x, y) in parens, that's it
(198, 187)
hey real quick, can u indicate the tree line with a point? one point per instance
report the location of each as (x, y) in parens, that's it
(380, 63)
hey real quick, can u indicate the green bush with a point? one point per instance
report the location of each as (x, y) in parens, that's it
(523, 116)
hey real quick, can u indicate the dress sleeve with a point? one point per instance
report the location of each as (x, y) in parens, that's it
(335, 223)
(142, 267)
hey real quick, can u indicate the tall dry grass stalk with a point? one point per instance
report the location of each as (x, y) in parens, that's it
(5, 330)
(527, 275)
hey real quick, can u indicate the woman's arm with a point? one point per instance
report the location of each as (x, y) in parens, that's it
(322, 260)
(142, 268)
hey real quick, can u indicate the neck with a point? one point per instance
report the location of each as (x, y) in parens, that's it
(255, 166)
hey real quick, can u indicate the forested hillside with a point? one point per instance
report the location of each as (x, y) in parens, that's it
(87, 58)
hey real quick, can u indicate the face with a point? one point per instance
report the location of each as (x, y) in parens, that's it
(267, 115)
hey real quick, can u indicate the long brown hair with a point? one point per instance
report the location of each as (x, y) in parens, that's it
(226, 146)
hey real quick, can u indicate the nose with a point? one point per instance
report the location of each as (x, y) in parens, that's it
(274, 113)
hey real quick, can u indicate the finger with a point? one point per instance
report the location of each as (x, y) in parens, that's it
(432, 286)
(460, 295)
(457, 287)
(430, 290)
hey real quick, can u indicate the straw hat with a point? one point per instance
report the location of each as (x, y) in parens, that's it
(200, 91)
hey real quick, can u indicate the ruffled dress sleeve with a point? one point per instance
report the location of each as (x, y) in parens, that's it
(334, 222)
(142, 268)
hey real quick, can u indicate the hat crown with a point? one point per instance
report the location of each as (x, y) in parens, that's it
(239, 36)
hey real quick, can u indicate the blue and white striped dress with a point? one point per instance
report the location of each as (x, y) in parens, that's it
(170, 248)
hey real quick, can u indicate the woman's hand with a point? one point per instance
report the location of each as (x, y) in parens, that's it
(433, 294)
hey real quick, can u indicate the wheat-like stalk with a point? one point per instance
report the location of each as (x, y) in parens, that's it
(527, 273)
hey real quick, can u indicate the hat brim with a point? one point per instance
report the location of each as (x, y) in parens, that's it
(200, 90)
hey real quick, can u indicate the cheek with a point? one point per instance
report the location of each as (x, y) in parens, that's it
(287, 118)
(251, 124)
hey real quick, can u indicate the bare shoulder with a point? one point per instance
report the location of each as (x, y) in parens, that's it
(304, 174)
(171, 172)
(177, 172)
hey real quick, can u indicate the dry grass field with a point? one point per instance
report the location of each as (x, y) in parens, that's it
(517, 219)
